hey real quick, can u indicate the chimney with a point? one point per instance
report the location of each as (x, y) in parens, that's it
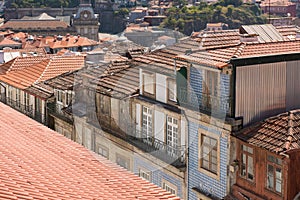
(248, 38)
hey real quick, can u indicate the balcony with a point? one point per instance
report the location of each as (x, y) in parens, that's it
(26, 109)
(204, 102)
(173, 155)
(57, 111)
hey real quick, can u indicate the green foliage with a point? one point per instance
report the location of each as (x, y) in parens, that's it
(194, 18)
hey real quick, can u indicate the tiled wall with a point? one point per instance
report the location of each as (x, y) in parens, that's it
(198, 179)
(157, 173)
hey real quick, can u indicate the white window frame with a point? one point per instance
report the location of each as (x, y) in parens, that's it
(172, 135)
(172, 89)
(166, 185)
(103, 151)
(147, 122)
(145, 174)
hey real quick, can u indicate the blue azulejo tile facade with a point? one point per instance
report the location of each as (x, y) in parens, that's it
(197, 179)
(157, 174)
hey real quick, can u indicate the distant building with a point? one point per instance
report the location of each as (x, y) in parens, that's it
(280, 8)
(86, 22)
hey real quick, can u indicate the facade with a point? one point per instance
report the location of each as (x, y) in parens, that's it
(86, 22)
(222, 93)
(177, 116)
(22, 82)
(267, 157)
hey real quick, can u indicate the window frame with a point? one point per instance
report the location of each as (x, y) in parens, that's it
(176, 126)
(150, 134)
(201, 132)
(146, 172)
(147, 93)
(247, 154)
(276, 165)
(174, 91)
(124, 158)
(166, 185)
(103, 148)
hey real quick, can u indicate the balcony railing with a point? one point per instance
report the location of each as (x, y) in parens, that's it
(171, 154)
(26, 109)
(56, 110)
(204, 102)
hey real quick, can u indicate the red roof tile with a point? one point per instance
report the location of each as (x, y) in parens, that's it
(277, 134)
(24, 72)
(34, 24)
(38, 163)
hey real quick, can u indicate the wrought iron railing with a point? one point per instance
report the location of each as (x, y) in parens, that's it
(26, 109)
(56, 110)
(204, 102)
(172, 154)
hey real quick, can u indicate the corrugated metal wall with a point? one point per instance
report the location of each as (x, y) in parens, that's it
(293, 85)
(260, 91)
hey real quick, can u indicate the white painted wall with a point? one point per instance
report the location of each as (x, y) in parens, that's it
(159, 125)
(161, 88)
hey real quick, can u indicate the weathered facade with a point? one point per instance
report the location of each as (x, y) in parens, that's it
(267, 159)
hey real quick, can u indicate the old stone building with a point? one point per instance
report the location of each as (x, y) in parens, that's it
(86, 21)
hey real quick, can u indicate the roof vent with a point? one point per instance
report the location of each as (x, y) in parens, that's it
(248, 38)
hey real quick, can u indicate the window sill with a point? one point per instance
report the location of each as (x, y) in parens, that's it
(209, 173)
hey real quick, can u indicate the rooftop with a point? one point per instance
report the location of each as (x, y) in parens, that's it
(22, 72)
(277, 134)
(38, 163)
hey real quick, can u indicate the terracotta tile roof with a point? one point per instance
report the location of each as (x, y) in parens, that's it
(276, 134)
(9, 42)
(119, 84)
(221, 57)
(40, 90)
(20, 63)
(68, 41)
(38, 163)
(47, 68)
(217, 39)
(15, 24)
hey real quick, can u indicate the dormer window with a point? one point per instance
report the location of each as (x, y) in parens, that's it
(148, 83)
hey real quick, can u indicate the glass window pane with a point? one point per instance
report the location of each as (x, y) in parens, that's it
(270, 178)
(250, 168)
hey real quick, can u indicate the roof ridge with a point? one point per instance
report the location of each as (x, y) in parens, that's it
(239, 50)
(49, 60)
(289, 130)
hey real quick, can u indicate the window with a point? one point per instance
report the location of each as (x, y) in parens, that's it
(171, 90)
(18, 97)
(68, 98)
(147, 122)
(148, 83)
(211, 83)
(122, 161)
(169, 187)
(59, 96)
(26, 96)
(104, 104)
(247, 170)
(144, 174)
(274, 174)
(172, 135)
(209, 154)
(103, 151)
